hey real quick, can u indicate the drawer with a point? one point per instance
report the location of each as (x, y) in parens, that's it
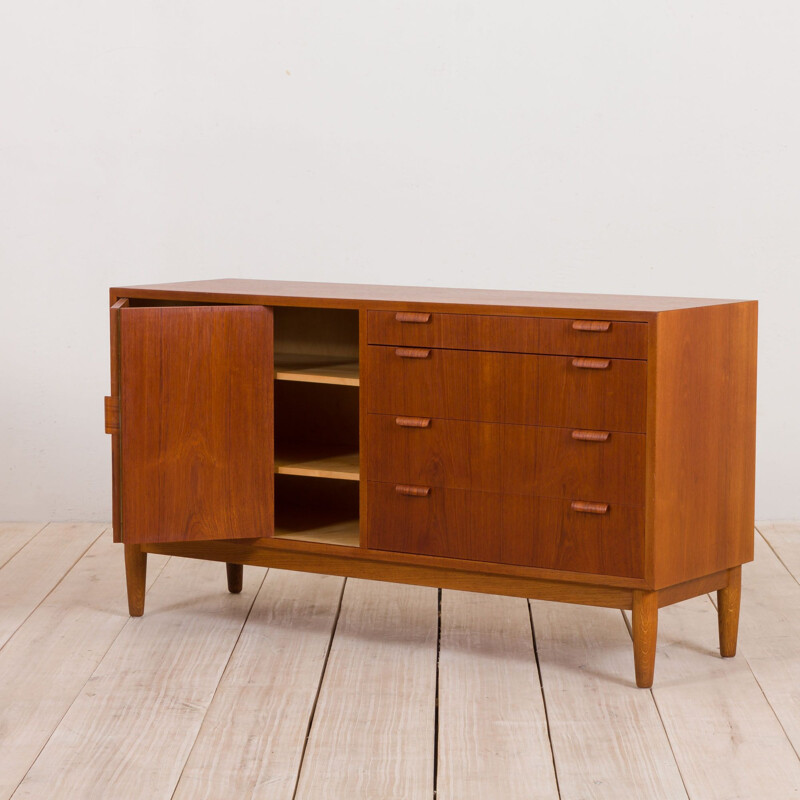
(569, 337)
(580, 337)
(464, 331)
(505, 529)
(513, 388)
(521, 459)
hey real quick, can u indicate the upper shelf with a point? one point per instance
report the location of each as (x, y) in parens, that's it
(311, 461)
(316, 369)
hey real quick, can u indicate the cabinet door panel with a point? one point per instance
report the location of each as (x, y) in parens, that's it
(196, 419)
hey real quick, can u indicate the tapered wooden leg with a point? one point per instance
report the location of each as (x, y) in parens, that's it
(645, 631)
(235, 574)
(728, 602)
(136, 576)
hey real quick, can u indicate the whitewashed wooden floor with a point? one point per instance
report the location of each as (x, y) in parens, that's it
(308, 686)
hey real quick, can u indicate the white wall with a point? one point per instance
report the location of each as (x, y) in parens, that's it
(622, 146)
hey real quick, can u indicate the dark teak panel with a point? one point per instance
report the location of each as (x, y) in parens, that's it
(521, 459)
(464, 331)
(506, 529)
(196, 409)
(508, 387)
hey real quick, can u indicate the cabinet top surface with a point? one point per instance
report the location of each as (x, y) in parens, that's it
(354, 295)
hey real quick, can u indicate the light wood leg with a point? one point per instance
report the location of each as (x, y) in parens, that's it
(136, 576)
(235, 574)
(728, 602)
(645, 631)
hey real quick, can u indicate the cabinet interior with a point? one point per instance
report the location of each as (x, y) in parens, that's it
(316, 425)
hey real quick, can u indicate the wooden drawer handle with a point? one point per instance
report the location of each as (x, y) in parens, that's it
(591, 363)
(413, 422)
(412, 491)
(589, 508)
(412, 316)
(591, 436)
(412, 352)
(590, 325)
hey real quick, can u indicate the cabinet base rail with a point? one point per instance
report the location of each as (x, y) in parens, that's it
(643, 603)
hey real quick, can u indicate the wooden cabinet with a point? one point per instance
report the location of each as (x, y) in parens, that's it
(580, 448)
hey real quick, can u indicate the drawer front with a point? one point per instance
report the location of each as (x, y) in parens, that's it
(579, 337)
(464, 331)
(598, 393)
(508, 334)
(520, 459)
(505, 529)
(506, 387)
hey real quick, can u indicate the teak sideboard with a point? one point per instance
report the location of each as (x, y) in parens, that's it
(584, 448)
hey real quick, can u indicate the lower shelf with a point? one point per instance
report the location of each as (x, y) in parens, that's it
(309, 526)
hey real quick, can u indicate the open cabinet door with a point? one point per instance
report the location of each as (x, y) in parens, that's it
(195, 423)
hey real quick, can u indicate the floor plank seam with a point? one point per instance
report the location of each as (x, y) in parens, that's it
(544, 698)
(55, 585)
(17, 552)
(660, 718)
(80, 691)
(319, 689)
(436, 702)
(777, 555)
(216, 688)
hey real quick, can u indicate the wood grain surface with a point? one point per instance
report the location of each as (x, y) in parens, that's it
(493, 739)
(252, 738)
(507, 529)
(374, 720)
(50, 658)
(131, 728)
(197, 418)
(508, 387)
(410, 298)
(520, 459)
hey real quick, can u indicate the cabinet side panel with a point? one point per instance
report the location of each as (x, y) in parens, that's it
(704, 427)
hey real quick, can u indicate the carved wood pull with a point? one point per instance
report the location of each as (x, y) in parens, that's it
(590, 325)
(413, 422)
(589, 508)
(412, 352)
(412, 491)
(413, 316)
(112, 414)
(591, 436)
(591, 363)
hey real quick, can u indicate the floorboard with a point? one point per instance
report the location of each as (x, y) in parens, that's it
(47, 662)
(493, 738)
(373, 730)
(29, 576)
(129, 732)
(314, 687)
(727, 741)
(784, 540)
(607, 738)
(252, 738)
(14, 536)
(769, 629)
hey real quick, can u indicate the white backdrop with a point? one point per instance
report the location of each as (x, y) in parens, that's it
(643, 148)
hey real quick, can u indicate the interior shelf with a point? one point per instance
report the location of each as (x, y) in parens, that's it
(313, 461)
(312, 525)
(311, 368)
